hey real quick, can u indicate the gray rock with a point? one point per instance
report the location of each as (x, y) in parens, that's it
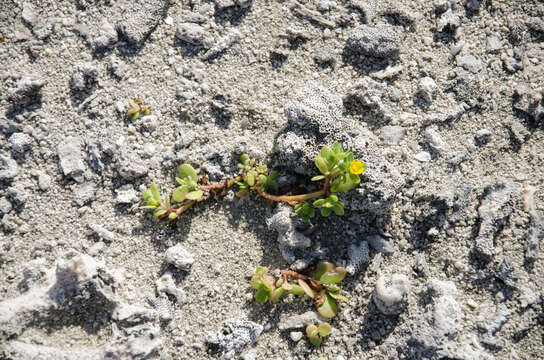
(28, 14)
(194, 34)
(423, 156)
(518, 133)
(131, 166)
(126, 194)
(102, 233)
(27, 90)
(442, 311)
(381, 41)
(8, 168)
(20, 143)
(420, 265)
(434, 140)
(483, 136)
(44, 181)
(535, 235)
(358, 255)
(250, 355)
(296, 336)
(381, 244)
(244, 3)
(497, 320)
(496, 206)
(33, 271)
(449, 20)
(222, 44)
(140, 19)
(392, 134)
(493, 44)
(469, 63)
(510, 63)
(84, 77)
(473, 4)
(5, 205)
(71, 158)
(391, 294)
(427, 88)
(507, 272)
(529, 101)
(130, 315)
(17, 194)
(107, 36)
(223, 4)
(83, 193)
(235, 336)
(179, 257)
(294, 322)
(167, 286)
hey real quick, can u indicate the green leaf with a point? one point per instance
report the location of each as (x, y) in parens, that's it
(319, 203)
(297, 290)
(321, 164)
(338, 296)
(261, 270)
(172, 215)
(306, 288)
(250, 178)
(320, 269)
(262, 295)
(329, 308)
(148, 207)
(179, 194)
(159, 212)
(155, 192)
(244, 159)
(313, 335)
(147, 195)
(333, 276)
(277, 294)
(187, 171)
(324, 329)
(338, 208)
(325, 211)
(195, 195)
(328, 155)
(167, 200)
(337, 148)
(318, 177)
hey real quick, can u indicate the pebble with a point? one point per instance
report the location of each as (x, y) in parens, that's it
(427, 88)
(102, 233)
(392, 134)
(381, 41)
(469, 63)
(71, 158)
(8, 168)
(381, 244)
(179, 257)
(493, 44)
(483, 136)
(5, 205)
(423, 156)
(391, 294)
(126, 194)
(20, 143)
(17, 194)
(296, 336)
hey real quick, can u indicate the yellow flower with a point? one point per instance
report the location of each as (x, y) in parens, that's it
(357, 167)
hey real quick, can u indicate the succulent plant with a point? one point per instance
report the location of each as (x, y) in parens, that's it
(321, 284)
(137, 109)
(316, 332)
(339, 172)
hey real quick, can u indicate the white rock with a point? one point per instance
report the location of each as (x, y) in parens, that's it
(391, 293)
(179, 257)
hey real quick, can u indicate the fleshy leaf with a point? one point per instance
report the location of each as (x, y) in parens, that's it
(187, 171)
(262, 295)
(155, 192)
(324, 329)
(338, 208)
(276, 294)
(318, 177)
(297, 290)
(338, 296)
(195, 195)
(329, 308)
(306, 288)
(179, 194)
(320, 269)
(333, 276)
(313, 335)
(244, 159)
(319, 203)
(321, 164)
(148, 207)
(172, 215)
(325, 211)
(147, 195)
(250, 178)
(159, 212)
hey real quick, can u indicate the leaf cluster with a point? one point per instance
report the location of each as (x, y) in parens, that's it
(255, 176)
(316, 333)
(321, 284)
(137, 109)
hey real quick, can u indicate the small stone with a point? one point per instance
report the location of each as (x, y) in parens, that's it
(5, 205)
(17, 195)
(358, 255)
(179, 257)
(392, 134)
(293, 322)
(107, 36)
(381, 244)
(234, 336)
(250, 355)
(391, 294)
(223, 4)
(28, 14)
(166, 285)
(483, 136)
(131, 166)
(119, 69)
(84, 77)
(27, 90)
(71, 158)
(423, 156)
(20, 143)
(296, 336)
(493, 44)
(194, 34)
(130, 315)
(83, 193)
(449, 20)
(381, 41)
(427, 88)
(434, 140)
(102, 233)
(469, 63)
(126, 194)
(8, 168)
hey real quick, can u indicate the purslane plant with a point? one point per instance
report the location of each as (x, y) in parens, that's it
(340, 172)
(316, 332)
(137, 109)
(322, 284)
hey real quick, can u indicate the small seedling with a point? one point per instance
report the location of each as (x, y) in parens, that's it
(321, 284)
(339, 173)
(316, 333)
(137, 109)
